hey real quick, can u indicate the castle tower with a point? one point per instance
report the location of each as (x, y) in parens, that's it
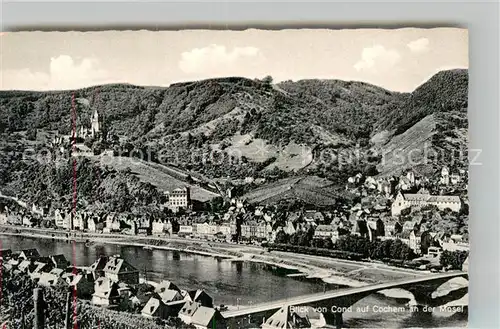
(94, 124)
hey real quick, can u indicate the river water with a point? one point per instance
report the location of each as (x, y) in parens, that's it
(236, 283)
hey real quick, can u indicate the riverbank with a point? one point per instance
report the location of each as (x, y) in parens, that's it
(329, 270)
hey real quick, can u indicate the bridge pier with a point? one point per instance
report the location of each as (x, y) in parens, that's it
(423, 292)
(334, 319)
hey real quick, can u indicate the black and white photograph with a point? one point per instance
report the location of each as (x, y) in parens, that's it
(225, 179)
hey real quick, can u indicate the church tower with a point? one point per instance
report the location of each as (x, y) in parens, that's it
(94, 124)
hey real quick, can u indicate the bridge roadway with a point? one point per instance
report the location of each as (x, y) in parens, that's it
(322, 296)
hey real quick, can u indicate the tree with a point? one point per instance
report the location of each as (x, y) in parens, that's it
(453, 259)
(31, 134)
(370, 170)
(281, 237)
(327, 244)
(97, 147)
(216, 204)
(268, 79)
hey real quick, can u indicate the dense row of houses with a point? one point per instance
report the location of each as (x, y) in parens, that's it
(406, 181)
(368, 219)
(112, 281)
(381, 213)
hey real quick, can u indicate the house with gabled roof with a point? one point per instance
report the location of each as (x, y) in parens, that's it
(287, 318)
(59, 261)
(289, 228)
(29, 254)
(410, 225)
(25, 266)
(37, 270)
(201, 297)
(97, 268)
(5, 254)
(170, 295)
(166, 285)
(415, 241)
(208, 318)
(83, 282)
(155, 308)
(105, 292)
(119, 270)
(50, 280)
(187, 311)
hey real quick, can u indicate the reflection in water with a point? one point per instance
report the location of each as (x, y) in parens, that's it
(232, 282)
(239, 267)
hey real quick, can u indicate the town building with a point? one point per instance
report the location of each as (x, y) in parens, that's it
(445, 176)
(325, 232)
(155, 308)
(49, 280)
(91, 225)
(28, 254)
(201, 297)
(185, 230)
(59, 261)
(119, 270)
(208, 318)
(166, 285)
(180, 198)
(423, 198)
(5, 254)
(63, 219)
(97, 268)
(415, 241)
(158, 227)
(170, 295)
(105, 292)
(144, 226)
(83, 283)
(205, 230)
(187, 311)
(79, 221)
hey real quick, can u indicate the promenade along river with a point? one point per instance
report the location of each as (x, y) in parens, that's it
(243, 283)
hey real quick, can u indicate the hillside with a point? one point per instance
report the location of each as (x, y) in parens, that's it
(307, 190)
(430, 129)
(236, 127)
(446, 91)
(148, 173)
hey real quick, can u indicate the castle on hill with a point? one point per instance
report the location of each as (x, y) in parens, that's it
(93, 131)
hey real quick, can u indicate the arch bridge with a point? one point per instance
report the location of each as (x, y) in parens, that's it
(340, 299)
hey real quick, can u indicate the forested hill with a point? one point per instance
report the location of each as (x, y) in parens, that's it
(349, 108)
(226, 111)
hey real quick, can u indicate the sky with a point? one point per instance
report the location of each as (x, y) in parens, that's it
(396, 59)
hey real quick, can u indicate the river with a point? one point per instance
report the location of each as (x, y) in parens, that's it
(236, 283)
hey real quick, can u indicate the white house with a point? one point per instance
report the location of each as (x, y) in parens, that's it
(158, 227)
(406, 200)
(105, 292)
(324, 231)
(185, 230)
(187, 311)
(415, 241)
(91, 225)
(180, 198)
(445, 176)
